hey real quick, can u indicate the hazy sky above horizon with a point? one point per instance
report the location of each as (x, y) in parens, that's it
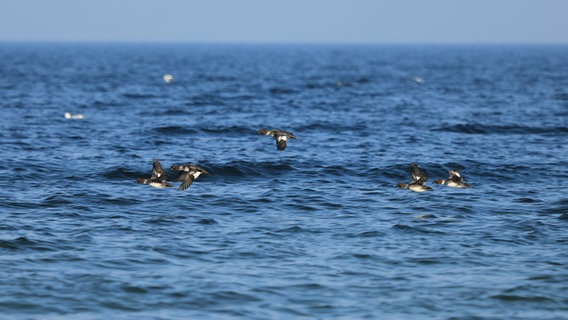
(303, 21)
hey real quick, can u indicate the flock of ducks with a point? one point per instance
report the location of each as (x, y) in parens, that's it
(418, 177)
(189, 172)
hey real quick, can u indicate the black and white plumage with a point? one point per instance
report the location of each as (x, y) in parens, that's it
(417, 179)
(417, 175)
(187, 173)
(280, 136)
(454, 180)
(158, 178)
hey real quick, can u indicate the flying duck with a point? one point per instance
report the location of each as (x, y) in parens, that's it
(158, 178)
(280, 136)
(188, 173)
(454, 180)
(418, 178)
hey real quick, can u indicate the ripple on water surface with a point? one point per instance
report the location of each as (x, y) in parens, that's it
(315, 231)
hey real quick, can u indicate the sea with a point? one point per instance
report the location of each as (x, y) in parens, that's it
(316, 231)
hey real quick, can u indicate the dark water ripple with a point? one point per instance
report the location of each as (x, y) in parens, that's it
(316, 231)
(510, 129)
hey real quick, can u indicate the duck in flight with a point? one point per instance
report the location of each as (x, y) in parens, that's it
(158, 178)
(280, 136)
(418, 178)
(187, 173)
(454, 180)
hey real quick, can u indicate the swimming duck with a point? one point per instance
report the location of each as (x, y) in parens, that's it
(418, 178)
(168, 78)
(454, 180)
(74, 116)
(188, 173)
(158, 178)
(280, 136)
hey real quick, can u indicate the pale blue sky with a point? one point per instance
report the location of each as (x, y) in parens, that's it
(311, 21)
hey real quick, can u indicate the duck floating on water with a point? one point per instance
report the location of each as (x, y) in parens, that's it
(74, 116)
(168, 78)
(188, 173)
(158, 178)
(454, 180)
(280, 136)
(418, 178)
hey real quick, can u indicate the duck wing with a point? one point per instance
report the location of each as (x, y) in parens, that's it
(454, 173)
(187, 180)
(456, 178)
(158, 173)
(181, 176)
(288, 134)
(201, 170)
(422, 179)
(417, 175)
(281, 143)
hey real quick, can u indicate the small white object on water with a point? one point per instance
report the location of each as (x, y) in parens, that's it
(73, 116)
(419, 80)
(168, 78)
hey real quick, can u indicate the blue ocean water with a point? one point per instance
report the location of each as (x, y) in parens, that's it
(315, 231)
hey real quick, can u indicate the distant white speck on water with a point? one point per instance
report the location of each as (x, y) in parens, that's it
(73, 116)
(168, 78)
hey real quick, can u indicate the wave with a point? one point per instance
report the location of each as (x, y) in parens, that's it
(16, 244)
(168, 111)
(328, 126)
(205, 100)
(174, 130)
(281, 90)
(234, 130)
(40, 244)
(249, 169)
(500, 129)
(186, 130)
(122, 173)
(415, 229)
(138, 96)
(229, 171)
(223, 130)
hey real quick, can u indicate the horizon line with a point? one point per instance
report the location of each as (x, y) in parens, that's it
(307, 43)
